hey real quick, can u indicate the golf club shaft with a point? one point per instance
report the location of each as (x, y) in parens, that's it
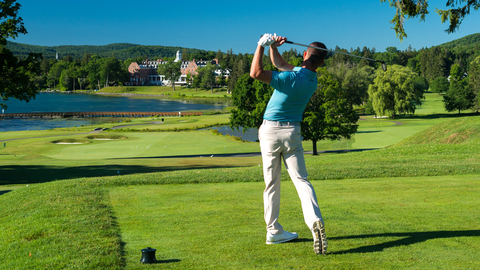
(323, 49)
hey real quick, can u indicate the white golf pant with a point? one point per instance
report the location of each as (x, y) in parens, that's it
(283, 140)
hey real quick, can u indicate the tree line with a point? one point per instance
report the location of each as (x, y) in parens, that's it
(95, 72)
(451, 71)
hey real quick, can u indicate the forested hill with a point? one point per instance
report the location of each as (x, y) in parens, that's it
(121, 51)
(467, 41)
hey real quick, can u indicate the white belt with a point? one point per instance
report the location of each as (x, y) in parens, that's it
(280, 123)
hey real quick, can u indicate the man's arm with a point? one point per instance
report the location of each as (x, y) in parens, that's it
(256, 71)
(275, 56)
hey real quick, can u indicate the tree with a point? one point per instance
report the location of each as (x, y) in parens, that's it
(328, 114)
(250, 97)
(171, 70)
(208, 76)
(11, 25)
(354, 80)
(221, 80)
(456, 12)
(196, 81)
(456, 73)
(393, 91)
(189, 78)
(241, 65)
(66, 80)
(459, 96)
(227, 61)
(439, 85)
(92, 70)
(367, 53)
(112, 71)
(414, 63)
(433, 63)
(81, 81)
(474, 82)
(184, 55)
(17, 77)
(420, 84)
(391, 56)
(219, 55)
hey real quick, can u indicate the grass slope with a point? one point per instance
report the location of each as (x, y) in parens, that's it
(456, 131)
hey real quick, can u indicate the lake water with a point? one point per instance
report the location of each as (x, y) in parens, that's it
(61, 102)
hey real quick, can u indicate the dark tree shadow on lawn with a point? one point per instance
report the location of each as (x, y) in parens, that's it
(4, 191)
(368, 131)
(408, 239)
(438, 115)
(169, 261)
(250, 154)
(30, 174)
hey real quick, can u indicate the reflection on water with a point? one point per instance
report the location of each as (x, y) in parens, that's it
(23, 124)
(61, 102)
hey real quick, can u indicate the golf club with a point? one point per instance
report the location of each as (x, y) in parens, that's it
(384, 65)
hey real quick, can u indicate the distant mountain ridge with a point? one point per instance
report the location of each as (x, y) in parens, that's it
(470, 40)
(124, 51)
(121, 51)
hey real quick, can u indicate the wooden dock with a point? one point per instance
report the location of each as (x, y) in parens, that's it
(96, 114)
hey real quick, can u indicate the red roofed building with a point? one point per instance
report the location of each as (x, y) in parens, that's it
(146, 72)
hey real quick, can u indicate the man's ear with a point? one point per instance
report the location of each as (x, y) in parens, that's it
(304, 54)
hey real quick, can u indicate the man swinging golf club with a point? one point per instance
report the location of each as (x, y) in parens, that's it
(280, 136)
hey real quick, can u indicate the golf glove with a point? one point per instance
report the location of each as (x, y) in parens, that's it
(267, 39)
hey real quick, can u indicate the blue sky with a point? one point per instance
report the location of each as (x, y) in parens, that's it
(223, 25)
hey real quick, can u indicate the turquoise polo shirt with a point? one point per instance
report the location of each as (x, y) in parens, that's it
(293, 90)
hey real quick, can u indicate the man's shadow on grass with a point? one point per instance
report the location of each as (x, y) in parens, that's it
(407, 239)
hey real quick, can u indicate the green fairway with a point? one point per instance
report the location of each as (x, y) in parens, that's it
(40, 159)
(155, 145)
(383, 132)
(431, 105)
